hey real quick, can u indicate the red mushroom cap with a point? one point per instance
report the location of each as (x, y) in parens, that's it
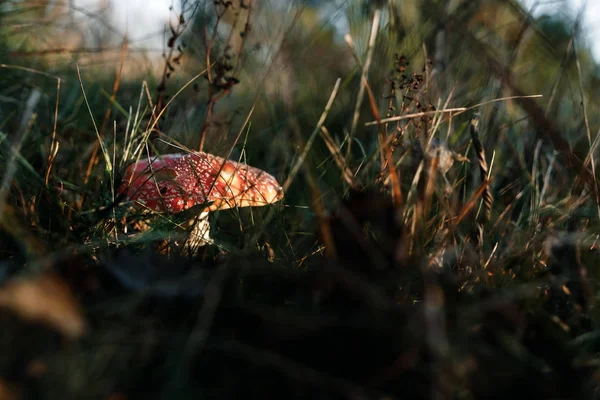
(176, 182)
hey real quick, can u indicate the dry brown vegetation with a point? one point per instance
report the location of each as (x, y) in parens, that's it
(439, 232)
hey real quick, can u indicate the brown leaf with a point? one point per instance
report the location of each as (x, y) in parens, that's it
(7, 392)
(45, 299)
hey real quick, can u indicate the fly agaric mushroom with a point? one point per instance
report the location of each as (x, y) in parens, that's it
(176, 182)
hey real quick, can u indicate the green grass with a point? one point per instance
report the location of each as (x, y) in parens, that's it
(368, 279)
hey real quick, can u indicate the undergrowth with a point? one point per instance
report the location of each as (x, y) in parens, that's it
(438, 237)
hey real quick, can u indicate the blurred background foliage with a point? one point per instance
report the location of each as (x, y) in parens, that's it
(250, 80)
(290, 59)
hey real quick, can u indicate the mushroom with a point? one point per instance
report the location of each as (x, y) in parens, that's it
(173, 183)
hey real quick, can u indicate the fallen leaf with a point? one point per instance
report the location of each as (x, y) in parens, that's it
(46, 299)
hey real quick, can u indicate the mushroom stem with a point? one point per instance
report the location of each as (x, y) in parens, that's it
(199, 235)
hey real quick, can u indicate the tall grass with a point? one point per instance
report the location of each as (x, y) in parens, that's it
(421, 250)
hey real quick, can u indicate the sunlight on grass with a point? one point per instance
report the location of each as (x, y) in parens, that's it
(436, 232)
